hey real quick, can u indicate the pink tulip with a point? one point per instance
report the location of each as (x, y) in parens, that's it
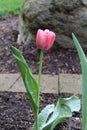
(45, 39)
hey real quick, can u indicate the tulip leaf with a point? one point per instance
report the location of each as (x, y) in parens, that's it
(73, 102)
(44, 115)
(30, 83)
(83, 60)
(66, 106)
(63, 110)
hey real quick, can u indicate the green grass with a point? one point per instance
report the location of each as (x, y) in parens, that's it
(10, 7)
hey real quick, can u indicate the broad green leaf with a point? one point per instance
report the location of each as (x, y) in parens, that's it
(45, 115)
(60, 113)
(68, 105)
(30, 83)
(73, 102)
(62, 110)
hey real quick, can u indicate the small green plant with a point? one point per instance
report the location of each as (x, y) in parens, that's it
(10, 7)
(52, 114)
(83, 60)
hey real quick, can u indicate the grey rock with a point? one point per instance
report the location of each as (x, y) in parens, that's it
(61, 16)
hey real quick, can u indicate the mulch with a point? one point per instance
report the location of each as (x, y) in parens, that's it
(15, 111)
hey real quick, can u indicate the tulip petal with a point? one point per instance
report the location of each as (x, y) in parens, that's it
(45, 39)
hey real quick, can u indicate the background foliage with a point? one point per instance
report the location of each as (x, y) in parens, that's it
(10, 7)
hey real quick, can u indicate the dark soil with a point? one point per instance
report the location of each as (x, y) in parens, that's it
(15, 112)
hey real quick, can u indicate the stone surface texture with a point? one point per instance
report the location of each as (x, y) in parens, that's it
(13, 83)
(57, 84)
(70, 83)
(61, 16)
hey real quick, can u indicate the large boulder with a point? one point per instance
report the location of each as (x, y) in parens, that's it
(61, 16)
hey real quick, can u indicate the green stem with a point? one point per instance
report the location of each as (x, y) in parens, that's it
(40, 67)
(37, 121)
(39, 79)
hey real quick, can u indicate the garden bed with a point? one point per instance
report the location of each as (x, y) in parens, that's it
(16, 114)
(15, 111)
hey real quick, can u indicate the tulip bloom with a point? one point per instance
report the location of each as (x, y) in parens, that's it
(45, 39)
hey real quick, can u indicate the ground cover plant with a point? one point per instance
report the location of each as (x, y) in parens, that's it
(10, 7)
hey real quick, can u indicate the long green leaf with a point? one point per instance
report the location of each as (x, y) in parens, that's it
(83, 60)
(30, 83)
